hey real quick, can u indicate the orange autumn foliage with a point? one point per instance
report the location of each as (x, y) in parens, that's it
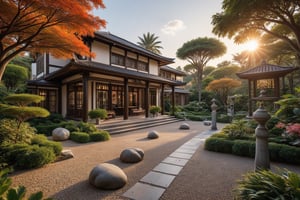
(223, 87)
(49, 26)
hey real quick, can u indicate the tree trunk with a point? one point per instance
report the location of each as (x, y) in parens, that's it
(2, 68)
(200, 72)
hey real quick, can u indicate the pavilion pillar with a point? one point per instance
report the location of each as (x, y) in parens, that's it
(147, 99)
(162, 100)
(125, 111)
(85, 99)
(249, 98)
(173, 100)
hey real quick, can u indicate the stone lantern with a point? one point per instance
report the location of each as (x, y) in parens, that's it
(262, 157)
(214, 115)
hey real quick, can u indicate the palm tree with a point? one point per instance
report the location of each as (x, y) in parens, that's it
(149, 42)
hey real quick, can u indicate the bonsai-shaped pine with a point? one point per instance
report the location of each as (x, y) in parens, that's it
(18, 108)
(98, 114)
(154, 110)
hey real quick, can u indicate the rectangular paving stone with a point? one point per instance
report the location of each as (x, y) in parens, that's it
(159, 179)
(188, 147)
(180, 155)
(141, 191)
(184, 150)
(175, 161)
(167, 168)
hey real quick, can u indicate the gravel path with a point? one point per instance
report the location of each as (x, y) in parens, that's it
(207, 175)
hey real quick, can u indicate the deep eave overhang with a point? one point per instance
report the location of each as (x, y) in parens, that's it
(116, 41)
(81, 67)
(175, 71)
(266, 71)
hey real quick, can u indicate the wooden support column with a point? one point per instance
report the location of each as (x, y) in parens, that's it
(162, 100)
(85, 77)
(125, 113)
(249, 99)
(147, 99)
(173, 100)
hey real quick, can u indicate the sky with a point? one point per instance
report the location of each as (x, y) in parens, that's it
(173, 21)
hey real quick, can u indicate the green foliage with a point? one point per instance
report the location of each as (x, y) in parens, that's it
(238, 129)
(11, 133)
(42, 141)
(8, 193)
(278, 152)
(244, 148)
(86, 127)
(224, 118)
(46, 129)
(218, 145)
(288, 109)
(23, 99)
(150, 42)
(52, 118)
(100, 136)
(14, 76)
(98, 113)
(267, 185)
(70, 125)
(80, 137)
(24, 156)
(228, 72)
(154, 109)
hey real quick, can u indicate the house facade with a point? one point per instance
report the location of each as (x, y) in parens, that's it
(123, 77)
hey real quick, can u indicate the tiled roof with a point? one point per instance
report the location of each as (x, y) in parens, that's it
(120, 42)
(175, 71)
(96, 67)
(266, 71)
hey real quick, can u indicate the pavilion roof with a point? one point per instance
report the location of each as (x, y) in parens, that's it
(265, 71)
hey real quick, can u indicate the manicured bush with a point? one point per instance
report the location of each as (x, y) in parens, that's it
(34, 157)
(98, 113)
(24, 156)
(154, 109)
(218, 145)
(244, 148)
(238, 129)
(265, 184)
(80, 137)
(220, 135)
(194, 117)
(70, 125)
(224, 118)
(42, 140)
(99, 136)
(290, 154)
(86, 127)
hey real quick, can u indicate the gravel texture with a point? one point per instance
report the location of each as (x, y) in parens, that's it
(207, 175)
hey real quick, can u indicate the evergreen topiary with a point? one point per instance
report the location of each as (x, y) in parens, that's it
(99, 136)
(80, 137)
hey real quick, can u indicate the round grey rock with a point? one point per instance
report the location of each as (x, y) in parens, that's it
(60, 134)
(107, 176)
(184, 126)
(132, 155)
(153, 135)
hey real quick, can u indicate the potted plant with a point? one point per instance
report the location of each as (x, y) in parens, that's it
(98, 114)
(154, 110)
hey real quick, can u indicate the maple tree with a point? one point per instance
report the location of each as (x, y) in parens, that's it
(49, 26)
(223, 87)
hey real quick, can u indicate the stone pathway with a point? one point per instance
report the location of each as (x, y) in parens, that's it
(153, 185)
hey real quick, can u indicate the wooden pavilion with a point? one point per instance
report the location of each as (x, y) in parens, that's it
(265, 77)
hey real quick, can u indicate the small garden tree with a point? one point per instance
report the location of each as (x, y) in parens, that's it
(18, 109)
(98, 114)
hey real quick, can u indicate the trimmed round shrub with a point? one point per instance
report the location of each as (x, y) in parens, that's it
(218, 145)
(80, 137)
(290, 154)
(70, 125)
(34, 157)
(86, 127)
(99, 136)
(98, 113)
(42, 140)
(46, 129)
(24, 156)
(244, 148)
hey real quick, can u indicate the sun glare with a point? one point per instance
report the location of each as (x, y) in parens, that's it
(251, 45)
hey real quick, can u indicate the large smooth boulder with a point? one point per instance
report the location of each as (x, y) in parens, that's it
(184, 126)
(107, 176)
(60, 134)
(132, 155)
(153, 135)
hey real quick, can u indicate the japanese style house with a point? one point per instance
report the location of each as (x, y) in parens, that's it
(123, 78)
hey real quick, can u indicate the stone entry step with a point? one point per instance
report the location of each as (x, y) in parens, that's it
(123, 126)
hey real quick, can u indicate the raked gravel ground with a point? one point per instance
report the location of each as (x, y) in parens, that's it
(207, 175)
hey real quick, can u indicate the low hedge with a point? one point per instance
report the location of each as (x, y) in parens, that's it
(99, 136)
(278, 152)
(46, 129)
(80, 137)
